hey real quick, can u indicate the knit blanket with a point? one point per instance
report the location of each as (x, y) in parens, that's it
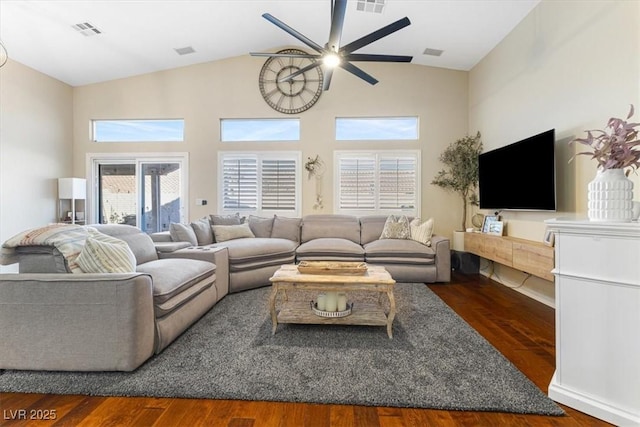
(69, 239)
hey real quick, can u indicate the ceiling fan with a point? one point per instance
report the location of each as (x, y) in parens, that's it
(333, 53)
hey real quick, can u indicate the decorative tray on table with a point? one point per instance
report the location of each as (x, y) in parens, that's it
(333, 268)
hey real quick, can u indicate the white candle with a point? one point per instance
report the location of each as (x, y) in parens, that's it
(342, 301)
(331, 301)
(322, 302)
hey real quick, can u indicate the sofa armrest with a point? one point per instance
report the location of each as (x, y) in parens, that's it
(216, 255)
(441, 245)
(161, 236)
(76, 322)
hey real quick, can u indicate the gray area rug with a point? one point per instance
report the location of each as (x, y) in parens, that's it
(435, 360)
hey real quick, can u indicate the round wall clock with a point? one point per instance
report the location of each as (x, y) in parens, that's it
(297, 94)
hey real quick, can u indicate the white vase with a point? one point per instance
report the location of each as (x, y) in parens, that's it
(610, 197)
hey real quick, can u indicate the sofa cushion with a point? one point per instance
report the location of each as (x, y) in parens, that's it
(106, 254)
(371, 227)
(140, 243)
(166, 307)
(261, 227)
(421, 232)
(322, 226)
(396, 227)
(330, 248)
(400, 251)
(286, 228)
(257, 249)
(202, 230)
(182, 233)
(233, 219)
(173, 276)
(223, 233)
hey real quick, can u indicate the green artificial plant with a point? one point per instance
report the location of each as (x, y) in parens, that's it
(461, 173)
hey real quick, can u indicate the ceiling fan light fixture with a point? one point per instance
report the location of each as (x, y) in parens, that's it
(331, 60)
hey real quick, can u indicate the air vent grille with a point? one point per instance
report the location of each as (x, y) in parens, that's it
(433, 52)
(86, 29)
(184, 50)
(373, 6)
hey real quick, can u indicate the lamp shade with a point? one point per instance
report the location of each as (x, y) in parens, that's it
(72, 188)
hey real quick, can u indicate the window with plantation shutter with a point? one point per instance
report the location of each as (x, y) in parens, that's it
(278, 185)
(372, 182)
(239, 183)
(260, 183)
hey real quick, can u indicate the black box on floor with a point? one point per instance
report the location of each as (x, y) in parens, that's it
(465, 262)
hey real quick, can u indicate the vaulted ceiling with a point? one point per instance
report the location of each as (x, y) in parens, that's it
(141, 36)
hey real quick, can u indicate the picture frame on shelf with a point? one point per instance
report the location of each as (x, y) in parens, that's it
(488, 219)
(496, 228)
(549, 238)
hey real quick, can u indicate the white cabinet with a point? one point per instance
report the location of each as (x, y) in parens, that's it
(598, 319)
(72, 193)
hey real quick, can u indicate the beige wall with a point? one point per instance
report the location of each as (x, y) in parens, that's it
(570, 65)
(203, 94)
(36, 144)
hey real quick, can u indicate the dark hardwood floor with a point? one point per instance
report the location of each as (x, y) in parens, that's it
(521, 328)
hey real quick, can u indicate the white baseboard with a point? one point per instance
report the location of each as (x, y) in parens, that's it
(591, 405)
(523, 289)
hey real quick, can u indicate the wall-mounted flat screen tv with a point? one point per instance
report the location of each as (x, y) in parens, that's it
(520, 176)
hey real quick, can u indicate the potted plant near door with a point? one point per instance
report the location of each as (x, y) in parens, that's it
(461, 172)
(617, 151)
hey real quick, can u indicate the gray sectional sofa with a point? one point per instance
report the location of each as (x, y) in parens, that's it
(253, 260)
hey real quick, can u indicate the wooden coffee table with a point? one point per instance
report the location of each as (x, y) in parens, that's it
(376, 279)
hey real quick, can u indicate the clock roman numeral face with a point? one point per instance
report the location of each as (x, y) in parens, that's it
(294, 95)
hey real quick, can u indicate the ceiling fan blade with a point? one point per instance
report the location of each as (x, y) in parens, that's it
(326, 79)
(358, 72)
(300, 71)
(376, 35)
(286, 55)
(338, 10)
(377, 58)
(304, 39)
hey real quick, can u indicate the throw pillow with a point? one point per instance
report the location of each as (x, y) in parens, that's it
(106, 254)
(233, 219)
(286, 228)
(182, 233)
(202, 230)
(396, 227)
(261, 227)
(230, 232)
(421, 232)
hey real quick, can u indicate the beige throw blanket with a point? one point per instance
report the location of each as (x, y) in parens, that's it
(69, 239)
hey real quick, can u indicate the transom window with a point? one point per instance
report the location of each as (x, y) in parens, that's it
(376, 128)
(378, 182)
(260, 183)
(138, 130)
(235, 130)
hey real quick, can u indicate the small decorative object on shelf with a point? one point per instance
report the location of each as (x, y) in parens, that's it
(488, 220)
(617, 151)
(496, 228)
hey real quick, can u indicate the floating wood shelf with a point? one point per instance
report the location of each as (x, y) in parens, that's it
(526, 255)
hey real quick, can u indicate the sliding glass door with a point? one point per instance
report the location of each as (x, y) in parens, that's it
(148, 192)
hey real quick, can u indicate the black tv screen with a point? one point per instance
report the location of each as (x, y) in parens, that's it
(520, 176)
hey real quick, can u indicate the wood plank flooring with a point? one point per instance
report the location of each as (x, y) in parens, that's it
(521, 328)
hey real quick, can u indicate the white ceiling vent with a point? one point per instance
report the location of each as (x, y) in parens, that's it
(433, 52)
(184, 50)
(373, 6)
(86, 29)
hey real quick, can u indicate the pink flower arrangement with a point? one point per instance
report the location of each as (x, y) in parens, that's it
(619, 148)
